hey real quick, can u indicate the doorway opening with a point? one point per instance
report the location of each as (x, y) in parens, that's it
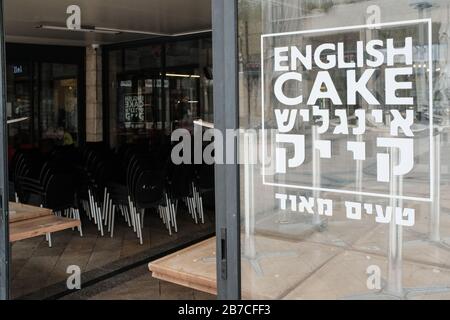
(91, 118)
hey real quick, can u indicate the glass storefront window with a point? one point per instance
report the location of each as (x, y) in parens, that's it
(184, 101)
(19, 103)
(145, 57)
(182, 53)
(115, 66)
(43, 96)
(59, 103)
(350, 118)
(151, 95)
(139, 112)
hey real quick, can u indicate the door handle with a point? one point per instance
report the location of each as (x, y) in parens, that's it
(223, 253)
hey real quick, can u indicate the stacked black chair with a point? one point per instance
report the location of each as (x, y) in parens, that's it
(203, 184)
(108, 181)
(25, 163)
(94, 173)
(52, 185)
(181, 187)
(144, 187)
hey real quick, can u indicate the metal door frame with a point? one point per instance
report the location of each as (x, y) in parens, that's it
(226, 116)
(4, 192)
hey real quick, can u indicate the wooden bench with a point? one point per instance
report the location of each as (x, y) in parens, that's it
(27, 221)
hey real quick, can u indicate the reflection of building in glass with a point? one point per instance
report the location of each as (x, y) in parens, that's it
(293, 218)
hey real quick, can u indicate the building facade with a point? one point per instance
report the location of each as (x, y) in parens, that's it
(335, 187)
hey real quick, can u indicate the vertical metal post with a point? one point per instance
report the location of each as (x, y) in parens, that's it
(4, 225)
(435, 234)
(316, 172)
(394, 284)
(226, 116)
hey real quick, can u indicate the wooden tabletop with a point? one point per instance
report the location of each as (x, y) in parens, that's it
(20, 212)
(27, 221)
(271, 270)
(36, 227)
(193, 267)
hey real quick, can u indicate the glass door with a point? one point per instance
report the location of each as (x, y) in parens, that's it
(345, 174)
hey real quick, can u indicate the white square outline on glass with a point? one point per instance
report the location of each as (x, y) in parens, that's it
(430, 109)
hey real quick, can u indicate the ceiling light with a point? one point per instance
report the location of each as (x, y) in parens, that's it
(11, 121)
(189, 33)
(83, 29)
(117, 31)
(179, 75)
(130, 31)
(151, 33)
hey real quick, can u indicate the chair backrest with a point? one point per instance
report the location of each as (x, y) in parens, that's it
(15, 160)
(181, 179)
(148, 189)
(59, 192)
(205, 176)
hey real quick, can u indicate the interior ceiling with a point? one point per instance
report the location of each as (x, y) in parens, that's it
(159, 16)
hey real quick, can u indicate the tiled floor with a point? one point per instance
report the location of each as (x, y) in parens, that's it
(328, 257)
(281, 269)
(137, 284)
(358, 245)
(36, 266)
